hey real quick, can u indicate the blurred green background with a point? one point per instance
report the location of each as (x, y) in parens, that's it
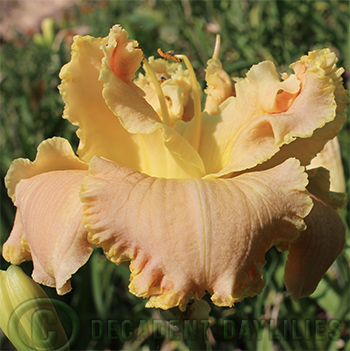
(251, 31)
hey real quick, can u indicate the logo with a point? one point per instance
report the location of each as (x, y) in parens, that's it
(35, 324)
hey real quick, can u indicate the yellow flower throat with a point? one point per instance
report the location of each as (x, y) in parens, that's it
(194, 138)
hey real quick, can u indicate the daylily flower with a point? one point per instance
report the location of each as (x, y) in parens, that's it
(194, 199)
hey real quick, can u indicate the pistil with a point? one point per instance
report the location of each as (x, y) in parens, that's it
(217, 47)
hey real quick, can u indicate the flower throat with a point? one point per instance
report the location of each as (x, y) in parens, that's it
(194, 137)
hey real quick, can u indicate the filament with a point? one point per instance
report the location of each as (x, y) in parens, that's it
(152, 77)
(195, 138)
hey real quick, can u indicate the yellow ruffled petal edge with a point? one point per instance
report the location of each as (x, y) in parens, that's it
(323, 62)
(122, 57)
(185, 237)
(327, 61)
(163, 151)
(98, 128)
(260, 130)
(47, 227)
(53, 154)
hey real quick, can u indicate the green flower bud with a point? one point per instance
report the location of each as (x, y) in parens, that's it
(28, 317)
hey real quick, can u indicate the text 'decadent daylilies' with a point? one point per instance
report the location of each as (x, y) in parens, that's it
(193, 199)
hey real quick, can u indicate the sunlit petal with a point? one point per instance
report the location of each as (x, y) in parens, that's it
(126, 101)
(185, 237)
(49, 228)
(163, 151)
(53, 154)
(99, 129)
(192, 199)
(307, 106)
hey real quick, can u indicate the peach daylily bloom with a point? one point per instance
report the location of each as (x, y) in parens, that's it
(193, 199)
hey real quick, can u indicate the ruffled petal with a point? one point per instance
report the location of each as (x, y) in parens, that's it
(127, 101)
(53, 154)
(114, 119)
(305, 110)
(49, 228)
(100, 132)
(330, 158)
(123, 59)
(16, 249)
(185, 237)
(219, 86)
(316, 249)
(163, 151)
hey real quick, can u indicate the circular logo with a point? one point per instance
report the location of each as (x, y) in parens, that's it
(34, 324)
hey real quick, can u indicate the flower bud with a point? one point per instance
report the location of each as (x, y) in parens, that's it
(28, 317)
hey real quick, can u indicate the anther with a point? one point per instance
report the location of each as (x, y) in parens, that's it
(162, 79)
(168, 55)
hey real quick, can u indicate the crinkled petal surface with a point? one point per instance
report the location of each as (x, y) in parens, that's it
(185, 237)
(100, 132)
(48, 226)
(114, 119)
(295, 116)
(165, 153)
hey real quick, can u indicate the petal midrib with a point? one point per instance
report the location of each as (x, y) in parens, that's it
(204, 235)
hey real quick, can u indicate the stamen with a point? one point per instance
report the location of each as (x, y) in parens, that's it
(195, 138)
(217, 46)
(152, 77)
(168, 55)
(162, 79)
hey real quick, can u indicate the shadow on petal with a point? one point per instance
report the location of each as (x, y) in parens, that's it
(316, 249)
